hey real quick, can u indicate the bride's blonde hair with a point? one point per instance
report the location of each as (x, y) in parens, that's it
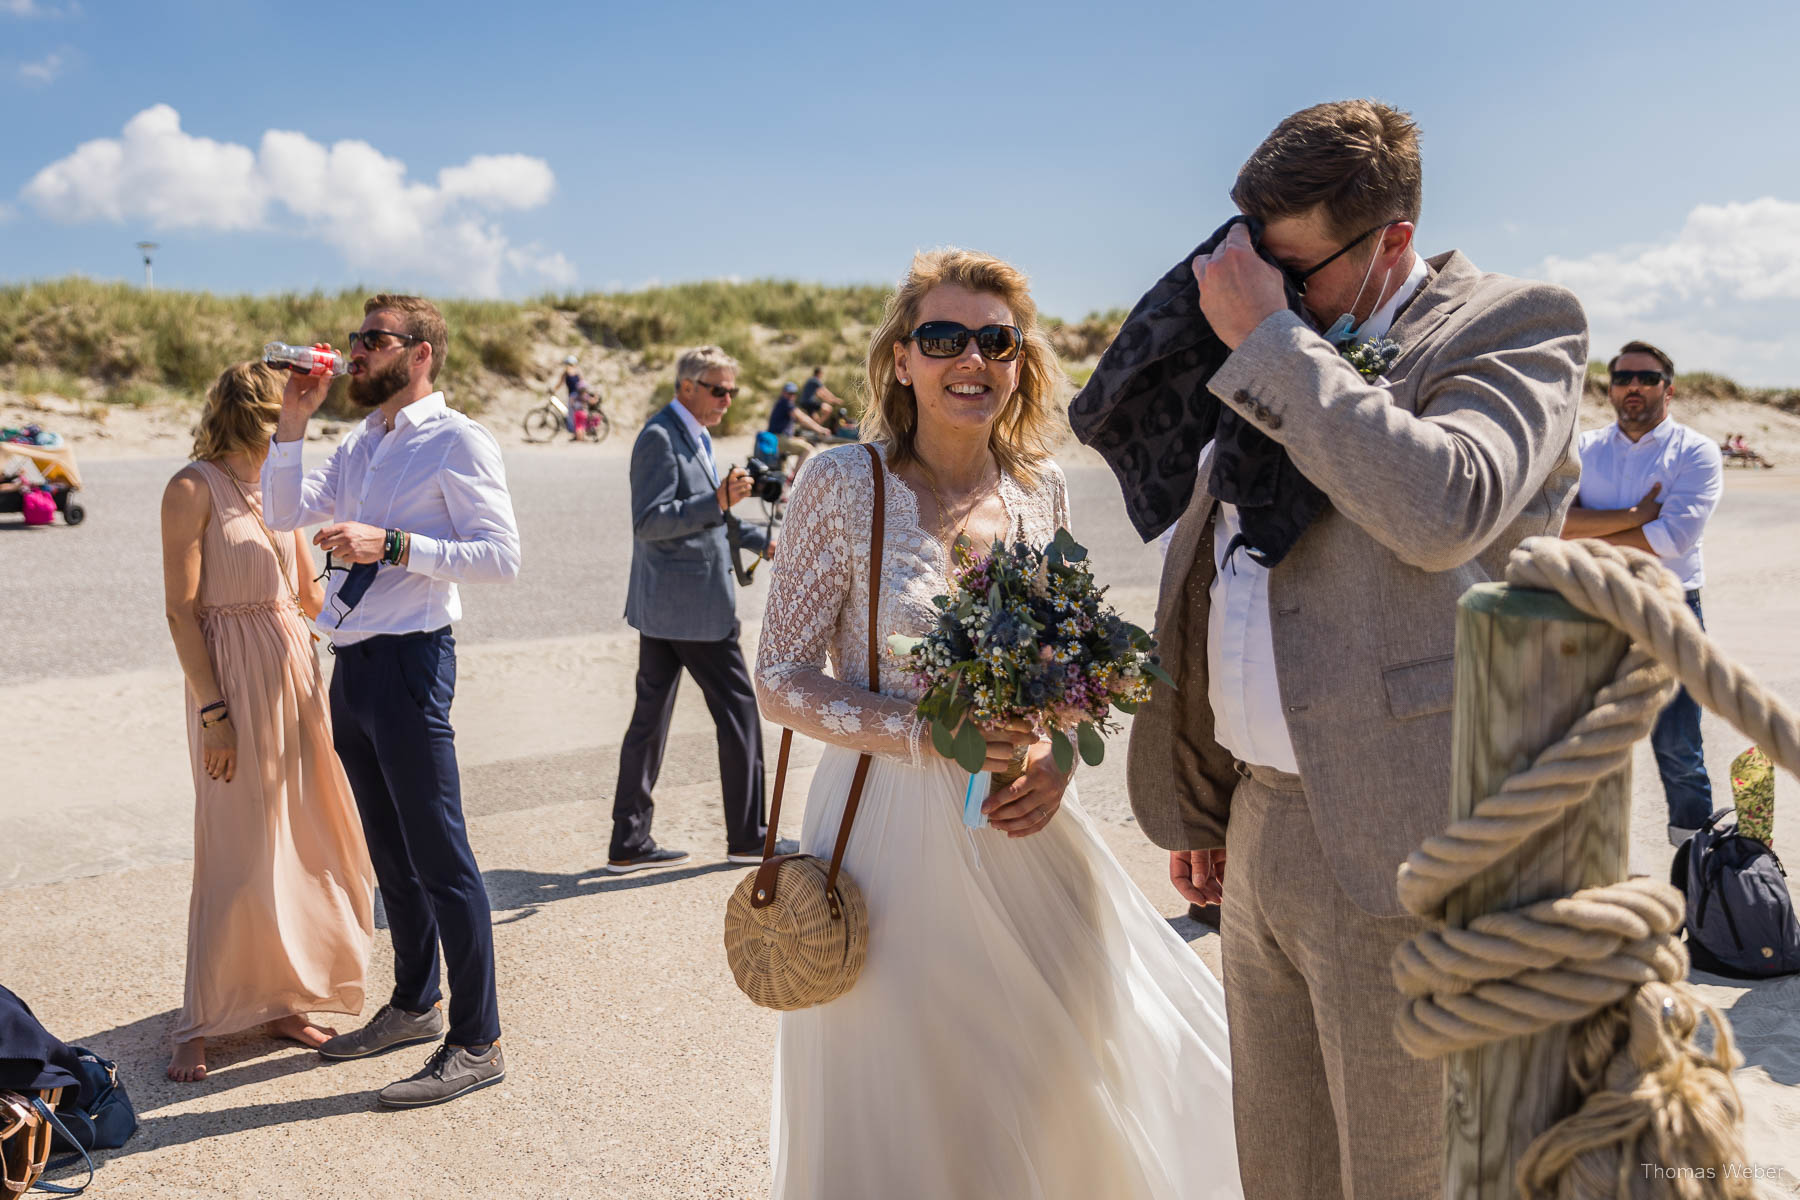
(1027, 427)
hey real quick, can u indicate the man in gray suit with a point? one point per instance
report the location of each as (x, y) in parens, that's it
(683, 603)
(1308, 737)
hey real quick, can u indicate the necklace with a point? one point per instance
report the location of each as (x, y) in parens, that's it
(944, 509)
(220, 463)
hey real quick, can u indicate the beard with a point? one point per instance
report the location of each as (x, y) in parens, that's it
(372, 389)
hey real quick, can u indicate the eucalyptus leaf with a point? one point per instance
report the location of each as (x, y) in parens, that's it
(902, 645)
(1062, 751)
(1156, 672)
(1126, 706)
(1068, 549)
(971, 748)
(1093, 747)
(942, 739)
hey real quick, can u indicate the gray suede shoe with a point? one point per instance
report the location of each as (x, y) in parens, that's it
(448, 1073)
(388, 1028)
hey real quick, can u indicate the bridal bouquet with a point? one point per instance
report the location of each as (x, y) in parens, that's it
(1025, 635)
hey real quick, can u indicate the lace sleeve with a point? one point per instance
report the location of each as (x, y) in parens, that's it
(816, 579)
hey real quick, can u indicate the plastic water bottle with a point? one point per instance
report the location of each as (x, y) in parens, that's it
(317, 359)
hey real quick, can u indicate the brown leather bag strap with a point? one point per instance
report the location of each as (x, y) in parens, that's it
(765, 876)
(787, 742)
(877, 536)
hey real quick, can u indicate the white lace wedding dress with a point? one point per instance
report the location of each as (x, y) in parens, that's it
(1026, 1025)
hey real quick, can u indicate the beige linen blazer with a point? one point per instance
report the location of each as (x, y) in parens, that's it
(1434, 475)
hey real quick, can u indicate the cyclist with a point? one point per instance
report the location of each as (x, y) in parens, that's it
(582, 399)
(783, 418)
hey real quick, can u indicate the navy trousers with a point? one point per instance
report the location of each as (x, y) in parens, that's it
(718, 667)
(390, 716)
(1676, 740)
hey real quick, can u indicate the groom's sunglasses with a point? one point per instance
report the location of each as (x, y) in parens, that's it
(1298, 277)
(948, 339)
(1647, 378)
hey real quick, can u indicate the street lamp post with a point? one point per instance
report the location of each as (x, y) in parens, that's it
(147, 248)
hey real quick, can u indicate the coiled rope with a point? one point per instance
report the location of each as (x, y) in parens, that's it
(1609, 956)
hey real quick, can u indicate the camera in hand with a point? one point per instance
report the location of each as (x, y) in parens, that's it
(768, 484)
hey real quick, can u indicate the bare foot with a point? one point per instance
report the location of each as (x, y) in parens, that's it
(298, 1029)
(189, 1063)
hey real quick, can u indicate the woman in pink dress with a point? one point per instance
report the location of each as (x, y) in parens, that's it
(281, 916)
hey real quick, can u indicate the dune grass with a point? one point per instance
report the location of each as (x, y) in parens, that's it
(118, 344)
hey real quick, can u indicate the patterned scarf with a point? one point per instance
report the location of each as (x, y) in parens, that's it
(1148, 412)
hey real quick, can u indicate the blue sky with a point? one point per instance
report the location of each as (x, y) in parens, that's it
(1641, 153)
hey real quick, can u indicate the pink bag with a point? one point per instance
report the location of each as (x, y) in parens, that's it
(38, 506)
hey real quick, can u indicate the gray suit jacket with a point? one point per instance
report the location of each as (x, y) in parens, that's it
(1433, 480)
(681, 586)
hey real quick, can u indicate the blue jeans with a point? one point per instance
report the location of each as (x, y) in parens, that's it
(1676, 741)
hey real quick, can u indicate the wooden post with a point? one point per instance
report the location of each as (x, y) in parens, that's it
(1527, 665)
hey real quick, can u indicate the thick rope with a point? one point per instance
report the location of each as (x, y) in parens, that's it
(1607, 958)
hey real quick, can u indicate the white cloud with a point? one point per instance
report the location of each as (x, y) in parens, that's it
(42, 72)
(40, 8)
(348, 195)
(1721, 294)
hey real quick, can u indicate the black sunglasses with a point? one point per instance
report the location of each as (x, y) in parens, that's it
(948, 339)
(719, 392)
(1299, 278)
(1647, 378)
(359, 337)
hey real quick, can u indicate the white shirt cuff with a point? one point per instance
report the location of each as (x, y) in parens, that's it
(1659, 540)
(285, 454)
(423, 555)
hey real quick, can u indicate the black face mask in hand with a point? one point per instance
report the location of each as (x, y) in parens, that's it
(1148, 411)
(357, 579)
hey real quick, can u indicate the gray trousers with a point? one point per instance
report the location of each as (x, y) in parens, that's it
(1326, 1103)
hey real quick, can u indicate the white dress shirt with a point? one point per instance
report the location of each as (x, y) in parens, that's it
(439, 477)
(702, 439)
(1616, 472)
(1241, 686)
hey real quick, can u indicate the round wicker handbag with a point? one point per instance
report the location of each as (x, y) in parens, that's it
(796, 929)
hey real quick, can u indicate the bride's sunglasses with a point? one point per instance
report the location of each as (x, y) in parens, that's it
(948, 339)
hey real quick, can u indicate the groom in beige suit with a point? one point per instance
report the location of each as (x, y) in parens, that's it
(1306, 748)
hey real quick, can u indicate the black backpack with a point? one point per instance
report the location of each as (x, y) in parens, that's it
(1740, 917)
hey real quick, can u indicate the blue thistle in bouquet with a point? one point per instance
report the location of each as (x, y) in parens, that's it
(1025, 635)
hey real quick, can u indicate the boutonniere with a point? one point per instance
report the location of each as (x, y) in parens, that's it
(1372, 356)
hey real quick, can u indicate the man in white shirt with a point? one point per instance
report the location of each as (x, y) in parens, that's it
(1650, 482)
(416, 499)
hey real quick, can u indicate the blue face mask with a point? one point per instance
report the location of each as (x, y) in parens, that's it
(1345, 328)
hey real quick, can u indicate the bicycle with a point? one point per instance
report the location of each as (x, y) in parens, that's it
(543, 423)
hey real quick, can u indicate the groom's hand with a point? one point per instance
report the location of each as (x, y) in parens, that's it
(1238, 288)
(1199, 875)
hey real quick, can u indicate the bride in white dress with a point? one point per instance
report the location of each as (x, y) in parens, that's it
(1026, 1024)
